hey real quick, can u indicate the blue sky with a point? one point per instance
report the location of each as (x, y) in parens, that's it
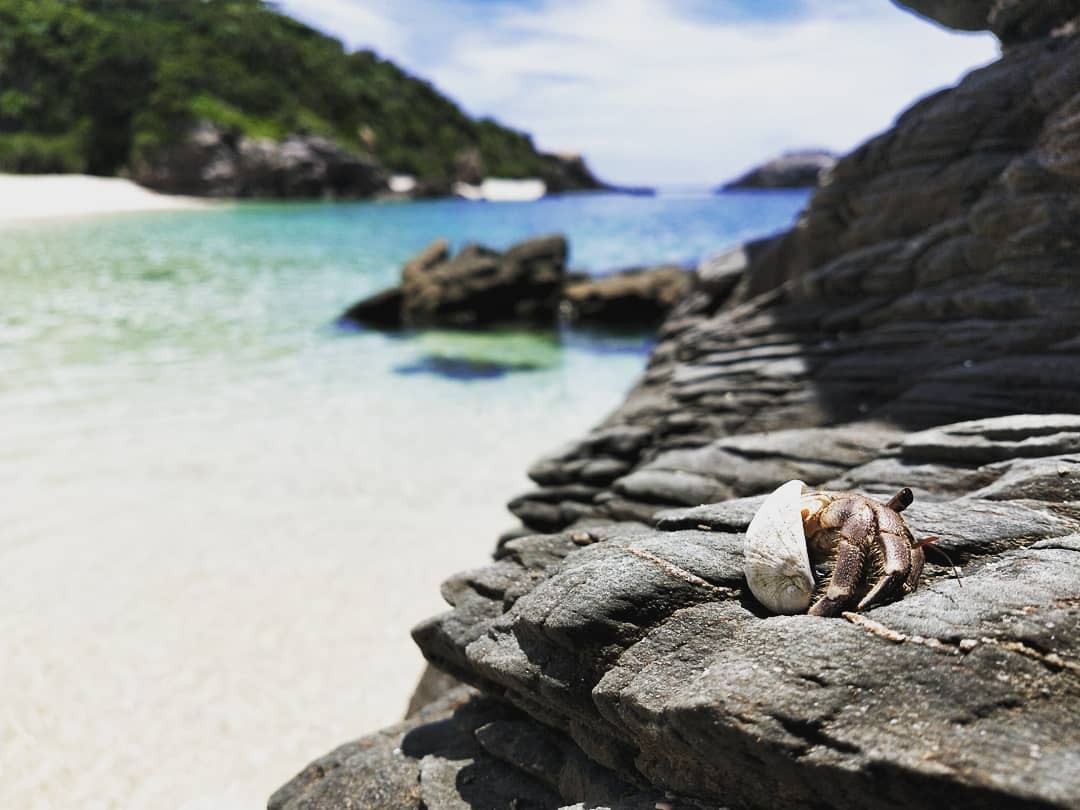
(673, 92)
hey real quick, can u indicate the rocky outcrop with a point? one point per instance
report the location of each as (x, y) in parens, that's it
(480, 286)
(631, 298)
(791, 170)
(214, 163)
(1012, 21)
(527, 284)
(644, 647)
(462, 750)
(917, 327)
(567, 171)
(933, 279)
(560, 171)
(642, 671)
(381, 310)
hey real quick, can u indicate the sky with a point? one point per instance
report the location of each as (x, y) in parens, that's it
(665, 92)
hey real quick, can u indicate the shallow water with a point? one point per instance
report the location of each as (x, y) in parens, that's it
(222, 513)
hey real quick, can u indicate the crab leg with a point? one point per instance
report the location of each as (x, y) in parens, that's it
(897, 568)
(918, 560)
(845, 578)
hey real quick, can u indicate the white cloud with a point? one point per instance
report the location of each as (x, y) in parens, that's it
(653, 95)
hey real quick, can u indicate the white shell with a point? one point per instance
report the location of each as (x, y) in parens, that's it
(776, 563)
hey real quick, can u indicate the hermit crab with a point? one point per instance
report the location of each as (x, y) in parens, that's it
(862, 549)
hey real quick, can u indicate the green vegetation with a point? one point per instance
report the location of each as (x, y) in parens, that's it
(93, 85)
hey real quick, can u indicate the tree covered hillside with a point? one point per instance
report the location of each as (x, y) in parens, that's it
(99, 85)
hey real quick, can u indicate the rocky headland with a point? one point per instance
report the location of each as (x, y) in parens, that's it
(801, 169)
(215, 161)
(920, 327)
(527, 284)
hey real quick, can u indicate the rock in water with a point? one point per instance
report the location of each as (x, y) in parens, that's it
(527, 284)
(480, 286)
(790, 170)
(632, 298)
(382, 310)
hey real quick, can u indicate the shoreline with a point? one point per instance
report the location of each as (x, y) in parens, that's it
(31, 197)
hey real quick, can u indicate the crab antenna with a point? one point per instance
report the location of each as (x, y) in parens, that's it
(901, 500)
(956, 571)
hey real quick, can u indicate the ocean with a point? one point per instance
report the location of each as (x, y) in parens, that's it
(222, 511)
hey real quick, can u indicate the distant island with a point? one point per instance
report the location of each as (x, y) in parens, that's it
(233, 99)
(798, 169)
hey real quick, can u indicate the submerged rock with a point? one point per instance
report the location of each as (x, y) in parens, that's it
(790, 170)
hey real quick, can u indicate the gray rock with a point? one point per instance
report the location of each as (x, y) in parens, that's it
(931, 281)
(1013, 21)
(804, 169)
(643, 647)
(526, 284)
(568, 171)
(212, 162)
(477, 287)
(635, 298)
(462, 751)
(381, 310)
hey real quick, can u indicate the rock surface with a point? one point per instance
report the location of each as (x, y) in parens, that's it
(632, 298)
(643, 646)
(791, 170)
(917, 327)
(480, 286)
(568, 171)
(214, 163)
(460, 751)
(933, 279)
(1012, 21)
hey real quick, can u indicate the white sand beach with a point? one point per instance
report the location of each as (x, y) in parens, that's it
(43, 196)
(193, 609)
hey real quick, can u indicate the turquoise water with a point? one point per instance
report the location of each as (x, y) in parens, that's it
(251, 291)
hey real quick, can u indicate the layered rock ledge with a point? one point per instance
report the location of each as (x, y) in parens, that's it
(920, 326)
